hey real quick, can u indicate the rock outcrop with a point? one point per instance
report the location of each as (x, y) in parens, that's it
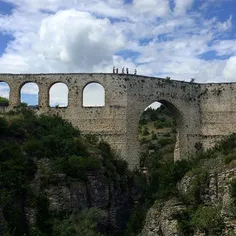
(63, 195)
(3, 223)
(215, 191)
(160, 220)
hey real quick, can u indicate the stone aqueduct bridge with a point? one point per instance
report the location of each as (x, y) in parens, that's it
(204, 112)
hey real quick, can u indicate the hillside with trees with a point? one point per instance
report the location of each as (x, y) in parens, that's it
(192, 197)
(55, 181)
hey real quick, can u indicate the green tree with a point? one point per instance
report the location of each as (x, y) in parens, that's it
(4, 101)
(84, 224)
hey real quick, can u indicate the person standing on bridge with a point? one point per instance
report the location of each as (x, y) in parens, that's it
(117, 70)
(127, 71)
(114, 70)
(123, 70)
(135, 72)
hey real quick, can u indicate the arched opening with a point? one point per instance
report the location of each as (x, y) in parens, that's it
(58, 95)
(4, 94)
(93, 95)
(29, 94)
(159, 128)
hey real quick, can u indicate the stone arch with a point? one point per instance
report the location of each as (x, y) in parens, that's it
(172, 106)
(93, 95)
(58, 95)
(181, 125)
(4, 93)
(176, 112)
(29, 94)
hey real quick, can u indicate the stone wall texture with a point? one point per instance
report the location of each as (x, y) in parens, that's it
(204, 112)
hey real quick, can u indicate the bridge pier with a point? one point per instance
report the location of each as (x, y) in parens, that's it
(14, 98)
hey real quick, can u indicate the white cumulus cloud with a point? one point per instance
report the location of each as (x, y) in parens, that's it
(78, 40)
(158, 37)
(58, 95)
(181, 6)
(230, 69)
(157, 7)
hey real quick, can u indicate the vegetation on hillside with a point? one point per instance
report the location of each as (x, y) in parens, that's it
(157, 135)
(26, 138)
(4, 101)
(163, 174)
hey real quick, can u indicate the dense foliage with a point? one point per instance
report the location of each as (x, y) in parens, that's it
(157, 138)
(4, 101)
(26, 138)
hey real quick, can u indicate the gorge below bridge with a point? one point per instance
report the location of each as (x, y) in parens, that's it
(204, 112)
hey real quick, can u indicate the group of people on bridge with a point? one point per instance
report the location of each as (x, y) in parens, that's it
(116, 71)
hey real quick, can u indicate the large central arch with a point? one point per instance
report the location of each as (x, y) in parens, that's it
(182, 147)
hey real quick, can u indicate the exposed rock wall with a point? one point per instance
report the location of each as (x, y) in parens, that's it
(161, 218)
(62, 195)
(3, 223)
(68, 196)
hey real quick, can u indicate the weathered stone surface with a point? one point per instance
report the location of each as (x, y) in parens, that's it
(160, 221)
(152, 223)
(30, 215)
(3, 223)
(59, 198)
(79, 195)
(98, 190)
(168, 223)
(120, 204)
(113, 197)
(217, 192)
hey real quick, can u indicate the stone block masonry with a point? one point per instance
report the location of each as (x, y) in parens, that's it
(204, 112)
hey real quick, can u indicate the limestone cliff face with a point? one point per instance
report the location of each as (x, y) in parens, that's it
(66, 196)
(214, 192)
(3, 223)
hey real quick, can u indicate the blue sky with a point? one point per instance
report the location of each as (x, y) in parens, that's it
(5, 9)
(182, 39)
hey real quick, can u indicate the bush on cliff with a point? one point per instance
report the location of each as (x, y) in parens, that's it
(84, 224)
